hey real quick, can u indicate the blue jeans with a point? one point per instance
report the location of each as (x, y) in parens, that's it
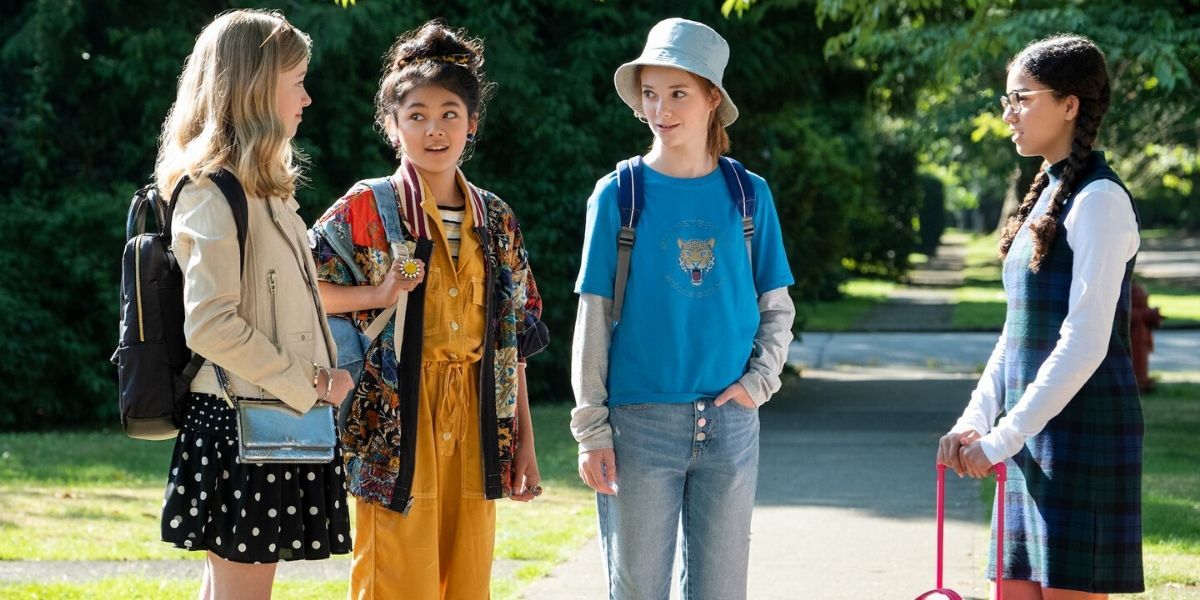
(690, 464)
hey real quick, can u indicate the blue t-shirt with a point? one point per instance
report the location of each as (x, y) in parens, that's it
(691, 304)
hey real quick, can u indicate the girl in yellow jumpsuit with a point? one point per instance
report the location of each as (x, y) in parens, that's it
(439, 425)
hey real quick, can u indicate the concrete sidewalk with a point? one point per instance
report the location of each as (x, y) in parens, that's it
(845, 504)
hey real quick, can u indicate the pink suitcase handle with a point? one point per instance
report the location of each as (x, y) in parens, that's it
(1001, 476)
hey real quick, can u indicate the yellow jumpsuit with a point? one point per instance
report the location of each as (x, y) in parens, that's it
(443, 548)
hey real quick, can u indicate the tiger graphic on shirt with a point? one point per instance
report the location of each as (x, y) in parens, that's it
(696, 258)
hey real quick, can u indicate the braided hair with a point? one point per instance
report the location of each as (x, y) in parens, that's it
(1071, 65)
(434, 54)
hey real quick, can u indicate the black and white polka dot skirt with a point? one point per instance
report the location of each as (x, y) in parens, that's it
(244, 512)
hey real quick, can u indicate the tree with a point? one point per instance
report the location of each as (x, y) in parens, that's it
(939, 65)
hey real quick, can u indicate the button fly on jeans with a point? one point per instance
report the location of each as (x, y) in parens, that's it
(702, 422)
(700, 436)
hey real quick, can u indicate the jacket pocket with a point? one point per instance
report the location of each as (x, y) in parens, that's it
(475, 319)
(478, 293)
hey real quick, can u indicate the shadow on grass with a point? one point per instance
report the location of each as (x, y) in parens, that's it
(979, 304)
(1171, 520)
(92, 513)
(978, 316)
(858, 297)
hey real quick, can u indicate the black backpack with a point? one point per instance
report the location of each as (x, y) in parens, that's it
(154, 366)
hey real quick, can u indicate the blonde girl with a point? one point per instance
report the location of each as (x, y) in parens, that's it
(240, 100)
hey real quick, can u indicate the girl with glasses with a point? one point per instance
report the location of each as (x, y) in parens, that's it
(1061, 374)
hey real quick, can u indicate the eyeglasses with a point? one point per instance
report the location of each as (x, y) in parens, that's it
(1012, 100)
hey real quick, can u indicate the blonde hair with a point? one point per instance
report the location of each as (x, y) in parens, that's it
(224, 114)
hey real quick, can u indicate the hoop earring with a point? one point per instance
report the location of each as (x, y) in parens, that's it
(470, 138)
(640, 117)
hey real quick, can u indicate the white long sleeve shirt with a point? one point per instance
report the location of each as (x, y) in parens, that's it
(1102, 232)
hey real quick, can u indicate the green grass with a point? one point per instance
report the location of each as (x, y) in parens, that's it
(1170, 492)
(859, 296)
(1171, 486)
(92, 495)
(550, 529)
(979, 302)
(978, 307)
(1180, 305)
(982, 251)
(1158, 234)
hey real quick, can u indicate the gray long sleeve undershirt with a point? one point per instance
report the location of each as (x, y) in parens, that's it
(589, 361)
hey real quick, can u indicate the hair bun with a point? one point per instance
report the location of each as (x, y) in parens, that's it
(436, 43)
(437, 55)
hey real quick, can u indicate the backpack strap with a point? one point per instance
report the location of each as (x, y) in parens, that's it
(630, 199)
(236, 195)
(388, 207)
(232, 189)
(741, 190)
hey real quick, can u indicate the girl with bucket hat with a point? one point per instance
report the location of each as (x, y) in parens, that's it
(682, 330)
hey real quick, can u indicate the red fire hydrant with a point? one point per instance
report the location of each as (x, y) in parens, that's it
(1142, 320)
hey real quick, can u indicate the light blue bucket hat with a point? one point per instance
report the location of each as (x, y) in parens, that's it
(680, 44)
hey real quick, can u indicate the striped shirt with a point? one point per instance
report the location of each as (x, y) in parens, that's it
(452, 219)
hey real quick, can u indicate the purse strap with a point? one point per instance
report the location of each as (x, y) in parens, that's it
(226, 388)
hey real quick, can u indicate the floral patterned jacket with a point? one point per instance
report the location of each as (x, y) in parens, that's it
(350, 248)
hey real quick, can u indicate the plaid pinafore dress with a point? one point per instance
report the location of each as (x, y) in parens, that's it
(1073, 499)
